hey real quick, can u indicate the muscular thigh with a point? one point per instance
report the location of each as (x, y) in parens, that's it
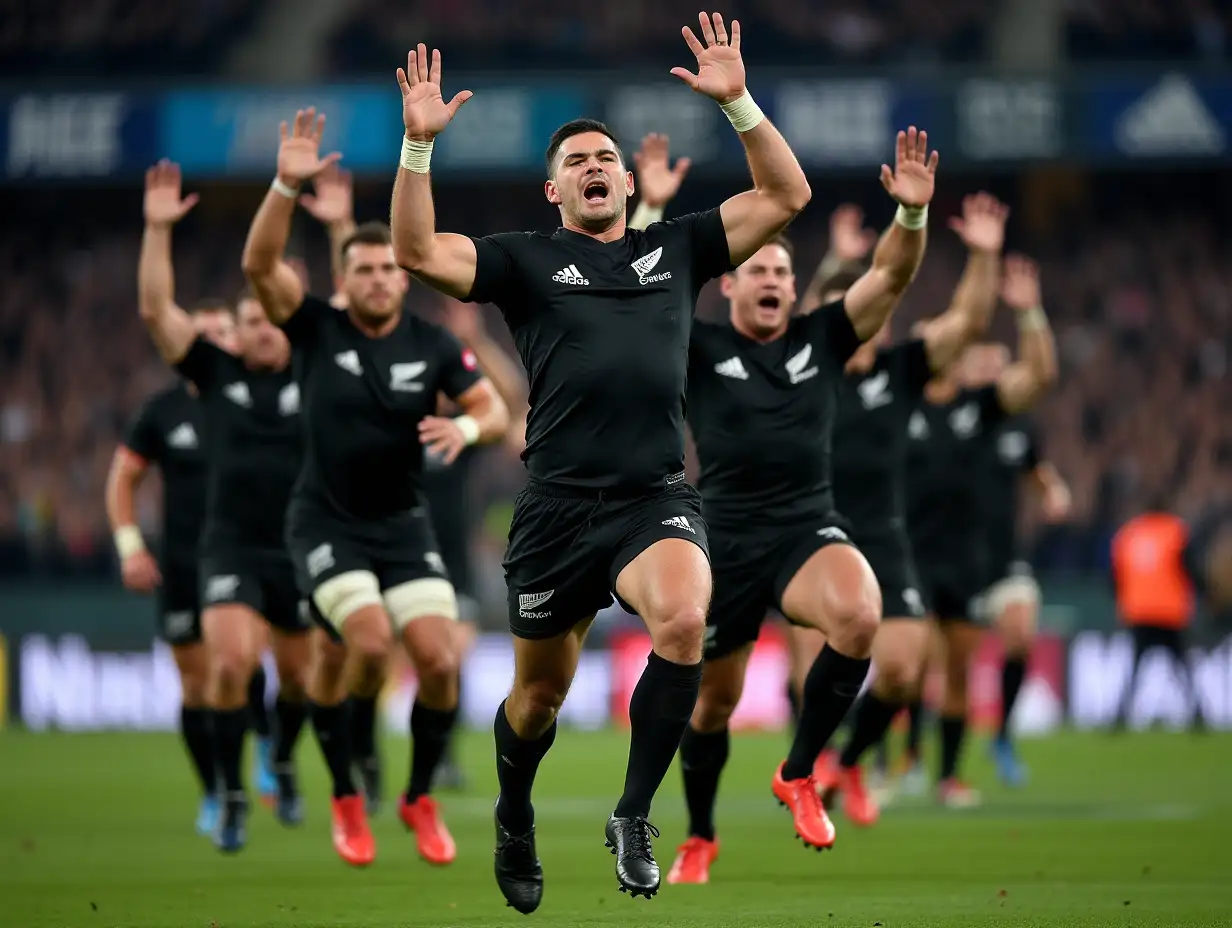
(831, 580)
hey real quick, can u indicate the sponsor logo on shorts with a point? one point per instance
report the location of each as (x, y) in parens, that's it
(529, 602)
(711, 638)
(178, 623)
(221, 588)
(832, 533)
(673, 479)
(680, 522)
(435, 562)
(319, 560)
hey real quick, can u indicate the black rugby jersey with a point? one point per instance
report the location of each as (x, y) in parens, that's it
(1006, 454)
(602, 329)
(363, 400)
(870, 437)
(944, 455)
(252, 419)
(169, 432)
(762, 417)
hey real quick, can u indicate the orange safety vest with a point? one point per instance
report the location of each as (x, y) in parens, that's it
(1152, 585)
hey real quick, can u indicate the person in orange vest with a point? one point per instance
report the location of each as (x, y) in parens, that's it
(1153, 575)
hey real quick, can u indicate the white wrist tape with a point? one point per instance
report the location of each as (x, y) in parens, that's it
(913, 218)
(468, 427)
(742, 112)
(645, 215)
(1033, 320)
(286, 190)
(128, 541)
(416, 155)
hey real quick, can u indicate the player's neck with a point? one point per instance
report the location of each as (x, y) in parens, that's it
(762, 338)
(283, 359)
(374, 328)
(614, 234)
(940, 392)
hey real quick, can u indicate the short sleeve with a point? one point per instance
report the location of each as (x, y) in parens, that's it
(707, 240)
(914, 365)
(144, 438)
(496, 273)
(458, 365)
(202, 363)
(302, 325)
(992, 413)
(833, 327)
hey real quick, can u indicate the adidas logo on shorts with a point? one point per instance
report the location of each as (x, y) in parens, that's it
(679, 522)
(570, 275)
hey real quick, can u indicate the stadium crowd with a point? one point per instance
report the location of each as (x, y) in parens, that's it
(1140, 304)
(73, 37)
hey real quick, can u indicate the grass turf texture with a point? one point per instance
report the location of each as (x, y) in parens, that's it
(96, 830)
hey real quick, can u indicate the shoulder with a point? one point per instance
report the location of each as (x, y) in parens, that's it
(708, 333)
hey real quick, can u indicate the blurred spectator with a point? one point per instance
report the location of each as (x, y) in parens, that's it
(1123, 30)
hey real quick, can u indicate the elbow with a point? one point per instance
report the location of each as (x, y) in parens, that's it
(797, 197)
(412, 260)
(255, 265)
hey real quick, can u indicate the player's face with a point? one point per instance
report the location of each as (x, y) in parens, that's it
(591, 184)
(983, 364)
(261, 342)
(217, 327)
(372, 281)
(762, 291)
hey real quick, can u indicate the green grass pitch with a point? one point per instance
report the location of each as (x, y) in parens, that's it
(96, 831)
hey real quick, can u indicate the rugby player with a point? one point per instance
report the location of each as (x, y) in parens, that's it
(251, 406)
(761, 407)
(357, 526)
(944, 519)
(169, 432)
(1011, 602)
(601, 317)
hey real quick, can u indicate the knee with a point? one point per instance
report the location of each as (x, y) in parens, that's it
(193, 689)
(856, 624)
(898, 678)
(1017, 635)
(680, 631)
(715, 705)
(534, 706)
(369, 642)
(292, 683)
(437, 659)
(230, 670)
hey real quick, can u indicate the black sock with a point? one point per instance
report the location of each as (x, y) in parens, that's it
(832, 685)
(334, 735)
(289, 717)
(1013, 672)
(363, 727)
(517, 760)
(430, 730)
(257, 710)
(230, 726)
(793, 703)
(196, 730)
(915, 726)
(953, 730)
(872, 718)
(702, 757)
(448, 757)
(659, 712)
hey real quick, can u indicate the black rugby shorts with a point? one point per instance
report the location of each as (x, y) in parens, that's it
(264, 581)
(888, 552)
(567, 546)
(179, 603)
(324, 545)
(752, 568)
(951, 592)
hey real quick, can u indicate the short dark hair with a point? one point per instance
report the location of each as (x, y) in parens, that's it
(370, 233)
(211, 304)
(577, 127)
(783, 242)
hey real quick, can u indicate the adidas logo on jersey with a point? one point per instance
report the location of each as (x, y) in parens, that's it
(732, 367)
(570, 275)
(680, 522)
(646, 264)
(183, 436)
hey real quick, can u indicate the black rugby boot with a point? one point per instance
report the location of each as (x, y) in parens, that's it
(519, 874)
(636, 868)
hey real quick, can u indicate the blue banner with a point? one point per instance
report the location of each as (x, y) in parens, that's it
(832, 122)
(78, 135)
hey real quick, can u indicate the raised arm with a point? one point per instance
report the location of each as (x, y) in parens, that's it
(780, 189)
(273, 280)
(1055, 497)
(168, 324)
(982, 229)
(1021, 384)
(484, 420)
(333, 205)
(137, 566)
(871, 299)
(443, 261)
(850, 244)
(657, 180)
